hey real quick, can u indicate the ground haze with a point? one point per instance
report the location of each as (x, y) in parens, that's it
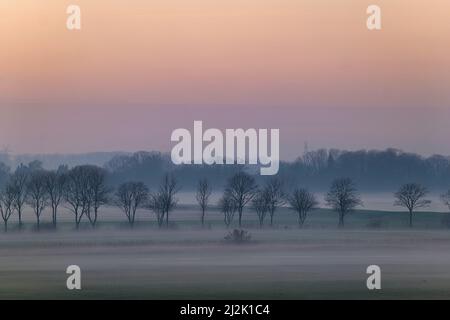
(187, 262)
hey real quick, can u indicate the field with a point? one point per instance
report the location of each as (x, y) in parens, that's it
(188, 262)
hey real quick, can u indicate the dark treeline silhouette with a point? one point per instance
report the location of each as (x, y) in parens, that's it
(52, 161)
(371, 170)
(83, 190)
(132, 183)
(150, 168)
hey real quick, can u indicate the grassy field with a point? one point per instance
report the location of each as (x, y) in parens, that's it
(188, 262)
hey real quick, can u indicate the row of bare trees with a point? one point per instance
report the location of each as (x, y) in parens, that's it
(83, 190)
(133, 195)
(342, 197)
(242, 190)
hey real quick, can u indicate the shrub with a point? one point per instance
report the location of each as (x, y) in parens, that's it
(238, 236)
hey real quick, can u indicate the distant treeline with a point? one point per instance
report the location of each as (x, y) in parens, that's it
(85, 189)
(371, 170)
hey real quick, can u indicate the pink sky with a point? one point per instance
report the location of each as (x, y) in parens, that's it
(139, 69)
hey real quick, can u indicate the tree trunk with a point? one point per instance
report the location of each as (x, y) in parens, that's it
(94, 223)
(341, 219)
(20, 218)
(410, 218)
(6, 225)
(132, 217)
(167, 219)
(54, 217)
(240, 217)
(203, 218)
(300, 220)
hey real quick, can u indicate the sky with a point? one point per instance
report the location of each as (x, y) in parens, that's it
(139, 69)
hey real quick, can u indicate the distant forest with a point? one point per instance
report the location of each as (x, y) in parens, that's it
(372, 170)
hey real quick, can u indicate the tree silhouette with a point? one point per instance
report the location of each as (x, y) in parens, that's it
(241, 189)
(7, 197)
(260, 204)
(203, 193)
(18, 182)
(343, 198)
(275, 196)
(302, 201)
(164, 201)
(55, 182)
(97, 192)
(228, 207)
(129, 197)
(76, 192)
(411, 196)
(37, 193)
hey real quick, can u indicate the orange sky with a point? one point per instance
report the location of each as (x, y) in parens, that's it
(128, 78)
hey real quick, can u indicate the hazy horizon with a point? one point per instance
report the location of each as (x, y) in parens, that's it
(129, 152)
(136, 72)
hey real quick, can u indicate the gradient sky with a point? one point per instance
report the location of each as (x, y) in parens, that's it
(139, 69)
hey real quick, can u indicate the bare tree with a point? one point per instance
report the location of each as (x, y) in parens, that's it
(18, 184)
(275, 196)
(260, 203)
(343, 198)
(228, 208)
(411, 196)
(156, 204)
(7, 198)
(129, 197)
(203, 193)
(97, 192)
(37, 193)
(302, 201)
(54, 184)
(164, 201)
(445, 198)
(241, 189)
(76, 192)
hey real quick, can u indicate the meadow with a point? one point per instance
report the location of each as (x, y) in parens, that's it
(190, 262)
